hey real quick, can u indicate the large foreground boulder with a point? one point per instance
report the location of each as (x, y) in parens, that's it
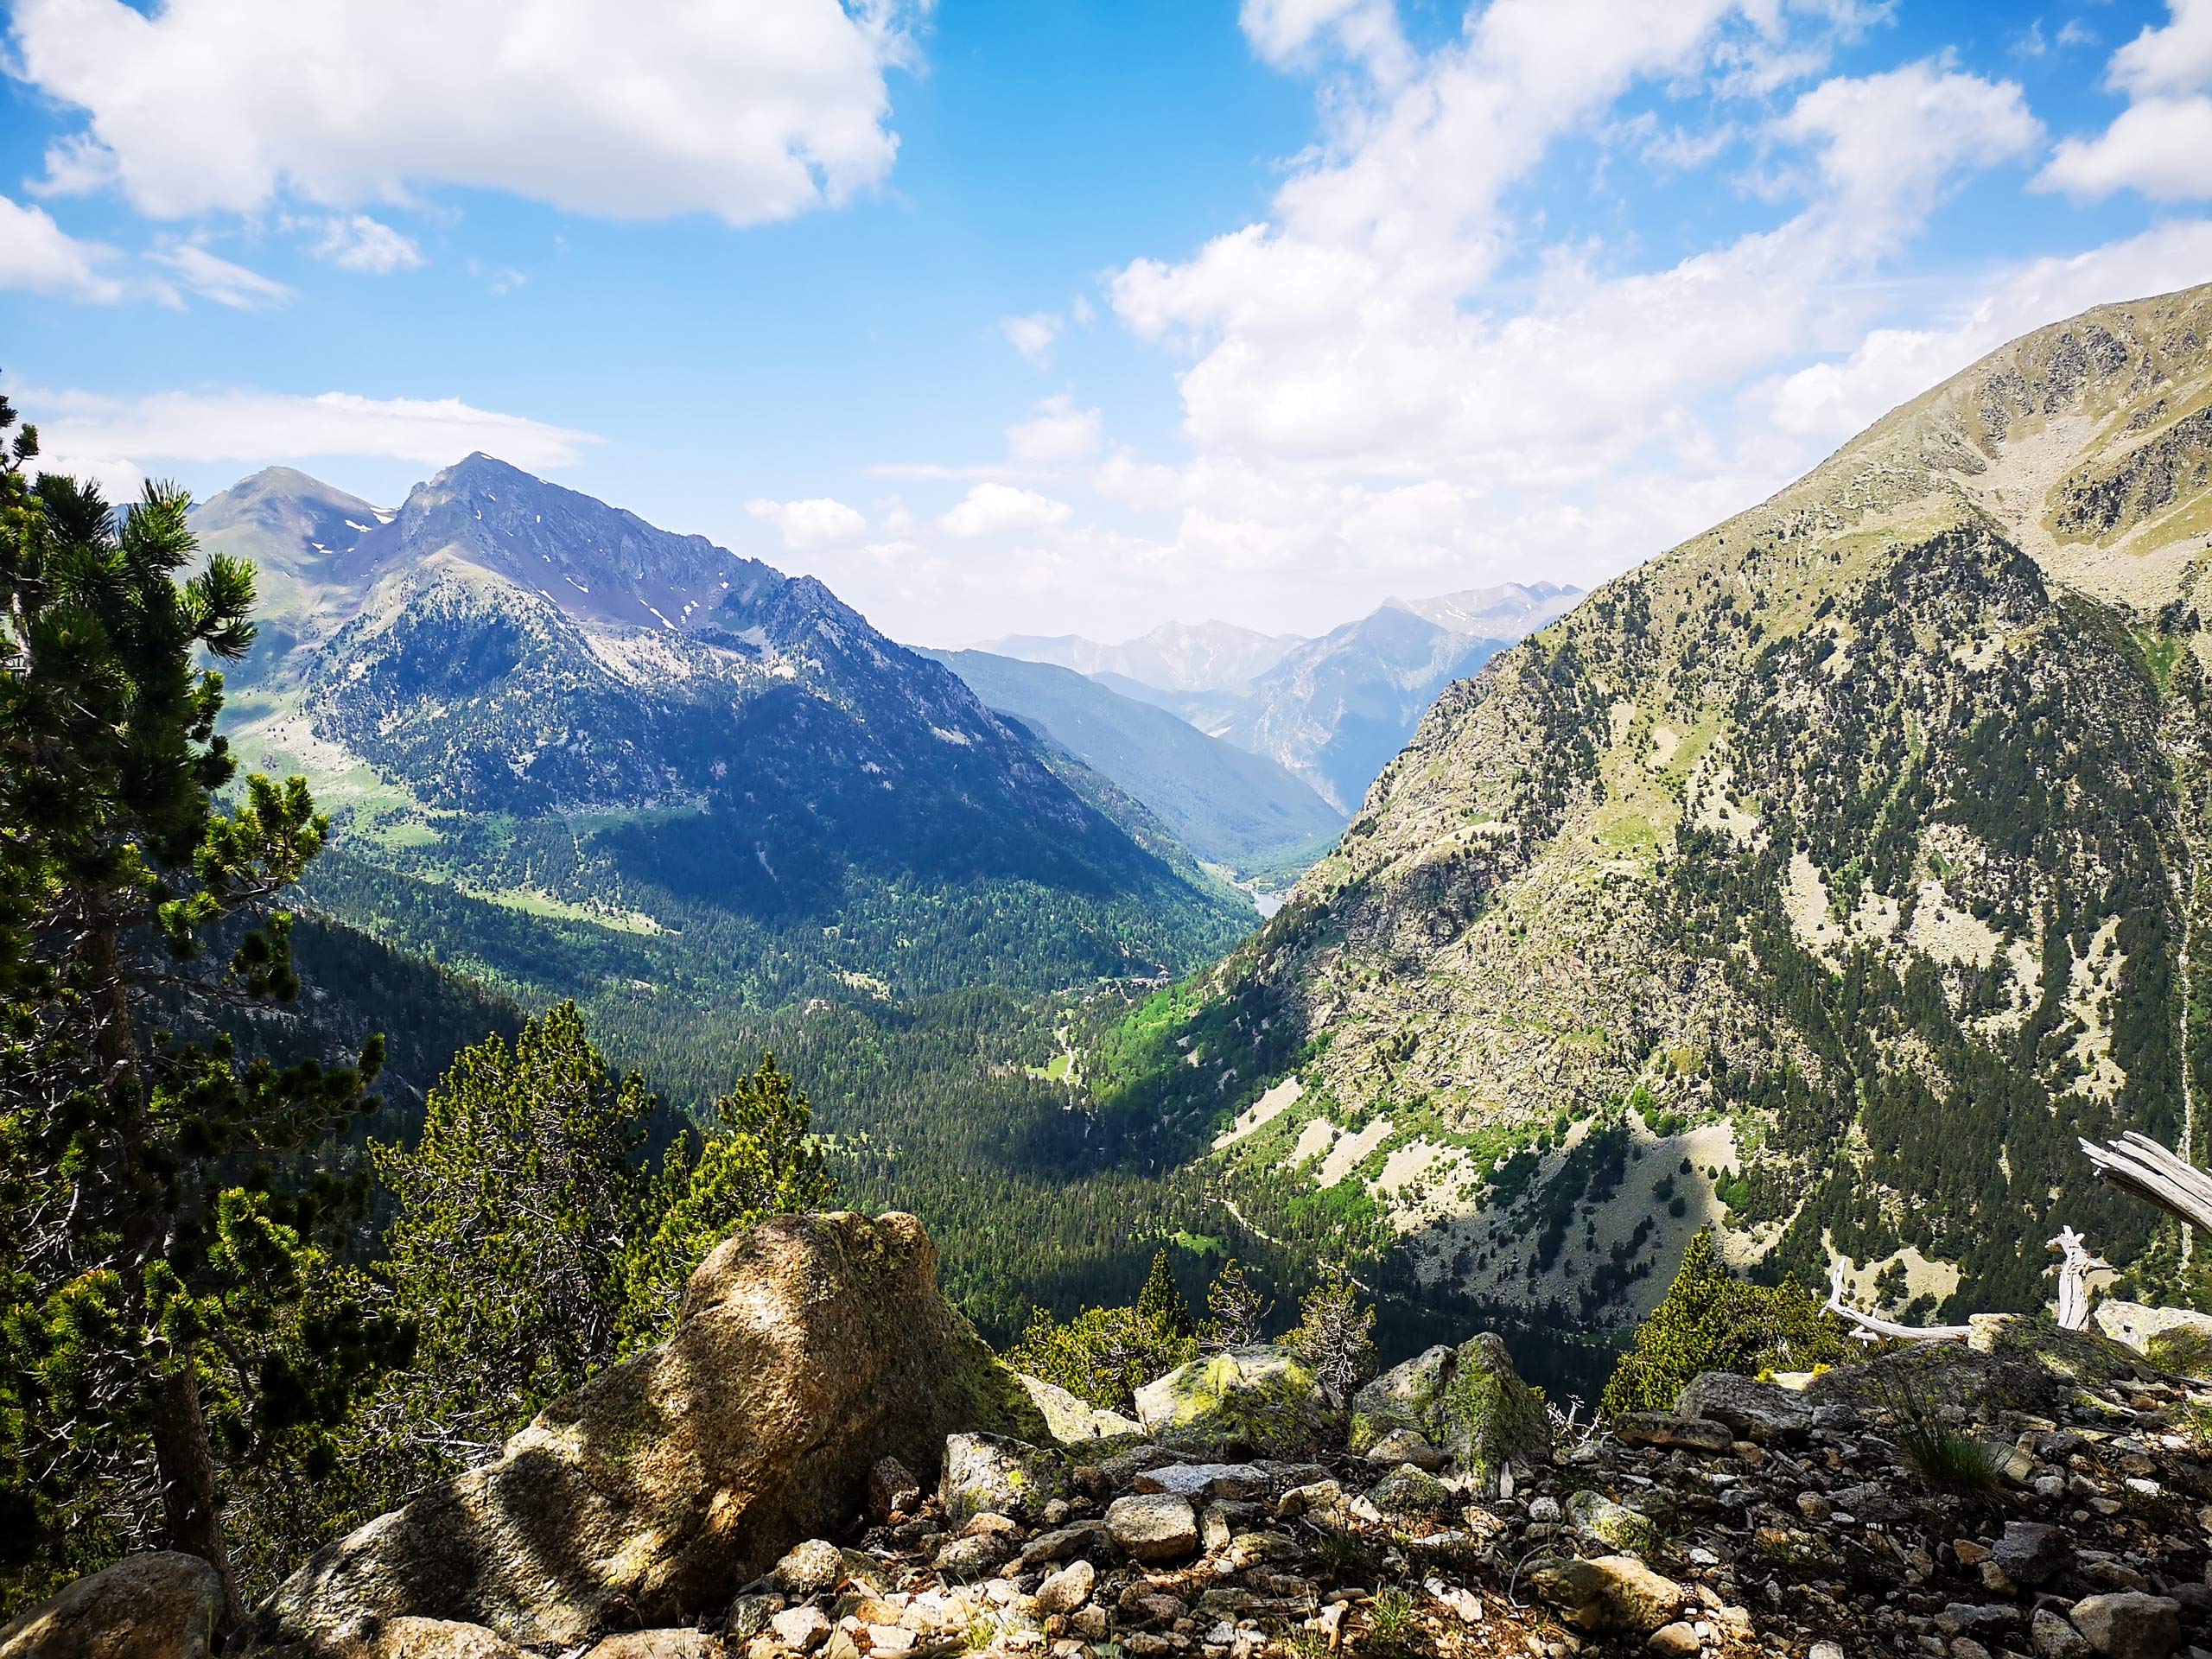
(807, 1349)
(1466, 1401)
(1258, 1401)
(158, 1605)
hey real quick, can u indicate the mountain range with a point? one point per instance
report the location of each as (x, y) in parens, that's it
(522, 698)
(1823, 880)
(1331, 710)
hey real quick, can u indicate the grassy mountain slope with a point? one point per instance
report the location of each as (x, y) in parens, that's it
(1823, 878)
(1235, 809)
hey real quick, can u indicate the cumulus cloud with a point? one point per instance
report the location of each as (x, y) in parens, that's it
(89, 432)
(358, 242)
(220, 280)
(1058, 432)
(751, 113)
(815, 522)
(2161, 145)
(1002, 510)
(37, 254)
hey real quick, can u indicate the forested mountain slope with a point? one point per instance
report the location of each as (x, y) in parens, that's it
(1824, 878)
(664, 764)
(1237, 809)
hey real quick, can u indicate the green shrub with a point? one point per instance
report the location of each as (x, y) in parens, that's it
(1712, 1321)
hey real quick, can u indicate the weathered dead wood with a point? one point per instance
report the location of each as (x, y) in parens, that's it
(2137, 1164)
(1871, 1329)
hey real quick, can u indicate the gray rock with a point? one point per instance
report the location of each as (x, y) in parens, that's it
(1235, 1481)
(1598, 1516)
(2031, 1554)
(1258, 1400)
(808, 1349)
(809, 1569)
(892, 1490)
(1410, 1490)
(1073, 1421)
(801, 1629)
(1659, 1428)
(1403, 1445)
(1607, 1594)
(1060, 1544)
(1153, 1526)
(1755, 1410)
(1467, 1401)
(157, 1606)
(2052, 1637)
(1004, 1477)
(659, 1645)
(2129, 1625)
(1679, 1640)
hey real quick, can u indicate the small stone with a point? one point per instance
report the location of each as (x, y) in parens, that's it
(1410, 1490)
(1676, 1641)
(809, 1569)
(1824, 1650)
(2129, 1625)
(890, 1639)
(1969, 1552)
(1816, 1507)
(970, 1558)
(1068, 1589)
(801, 1629)
(1406, 1445)
(1966, 1648)
(2052, 1637)
(1545, 1511)
(1153, 1526)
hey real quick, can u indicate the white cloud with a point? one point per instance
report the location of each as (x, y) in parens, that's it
(2161, 145)
(358, 242)
(1886, 143)
(753, 112)
(220, 280)
(1285, 33)
(1032, 336)
(814, 523)
(89, 432)
(37, 254)
(1002, 510)
(1828, 402)
(1058, 432)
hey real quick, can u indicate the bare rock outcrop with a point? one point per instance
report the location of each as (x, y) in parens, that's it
(807, 1349)
(157, 1606)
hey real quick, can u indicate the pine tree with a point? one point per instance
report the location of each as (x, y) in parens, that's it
(1160, 1303)
(761, 1159)
(515, 1207)
(1237, 1313)
(1709, 1320)
(1335, 1334)
(166, 1310)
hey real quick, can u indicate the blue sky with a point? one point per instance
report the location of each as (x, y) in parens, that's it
(1072, 317)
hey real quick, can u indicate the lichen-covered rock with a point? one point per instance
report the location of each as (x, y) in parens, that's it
(1467, 1401)
(1607, 1594)
(807, 1350)
(1410, 1489)
(1598, 1516)
(1073, 1420)
(2175, 1338)
(1005, 1477)
(157, 1606)
(1257, 1400)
